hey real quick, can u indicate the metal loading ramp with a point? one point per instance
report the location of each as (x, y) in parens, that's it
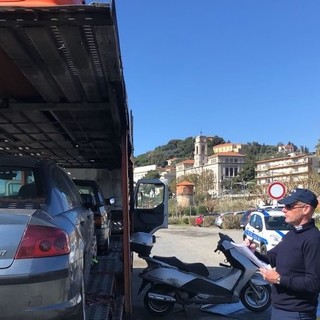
(62, 93)
(104, 300)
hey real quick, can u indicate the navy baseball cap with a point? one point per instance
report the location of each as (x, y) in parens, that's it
(302, 195)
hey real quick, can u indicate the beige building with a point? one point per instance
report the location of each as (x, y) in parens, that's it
(294, 168)
(229, 147)
(224, 165)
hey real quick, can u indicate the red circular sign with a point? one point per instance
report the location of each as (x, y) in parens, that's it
(276, 190)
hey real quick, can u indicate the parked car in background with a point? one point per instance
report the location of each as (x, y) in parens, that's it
(221, 217)
(47, 241)
(102, 213)
(200, 220)
(266, 229)
(245, 218)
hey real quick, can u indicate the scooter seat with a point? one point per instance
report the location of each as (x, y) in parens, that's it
(197, 267)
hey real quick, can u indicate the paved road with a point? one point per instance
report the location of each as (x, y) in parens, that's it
(190, 244)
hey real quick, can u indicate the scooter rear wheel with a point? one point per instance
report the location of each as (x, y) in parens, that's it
(256, 298)
(158, 307)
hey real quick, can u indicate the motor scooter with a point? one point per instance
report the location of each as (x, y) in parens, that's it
(172, 281)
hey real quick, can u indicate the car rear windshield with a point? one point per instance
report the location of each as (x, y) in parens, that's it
(18, 183)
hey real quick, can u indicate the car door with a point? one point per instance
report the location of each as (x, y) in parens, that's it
(150, 205)
(81, 217)
(254, 228)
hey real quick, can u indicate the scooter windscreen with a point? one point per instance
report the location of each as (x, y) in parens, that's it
(223, 237)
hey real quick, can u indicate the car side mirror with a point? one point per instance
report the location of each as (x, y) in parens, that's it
(110, 201)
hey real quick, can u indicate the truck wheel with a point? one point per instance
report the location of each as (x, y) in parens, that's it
(158, 307)
(255, 297)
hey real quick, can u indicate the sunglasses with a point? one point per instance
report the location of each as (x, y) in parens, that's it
(293, 206)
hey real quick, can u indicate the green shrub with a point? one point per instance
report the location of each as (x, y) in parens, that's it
(189, 211)
(192, 220)
(173, 220)
(186, 220)
(201, 209)
(231, 221)
(208, 221)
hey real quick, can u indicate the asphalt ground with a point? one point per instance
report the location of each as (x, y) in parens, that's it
(191, 244)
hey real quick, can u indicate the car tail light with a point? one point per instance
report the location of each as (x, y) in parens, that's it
(43, 241)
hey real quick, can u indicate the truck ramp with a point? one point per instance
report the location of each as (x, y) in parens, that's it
(104, 294)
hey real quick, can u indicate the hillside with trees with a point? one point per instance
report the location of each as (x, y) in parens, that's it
(180, 150)
(184, 150)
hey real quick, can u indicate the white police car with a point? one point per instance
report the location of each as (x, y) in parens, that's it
(266, 228)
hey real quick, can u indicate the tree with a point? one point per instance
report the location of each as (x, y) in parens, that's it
(318, 148)
(152, 174)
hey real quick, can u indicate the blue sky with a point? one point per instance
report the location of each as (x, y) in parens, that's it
(244, 70)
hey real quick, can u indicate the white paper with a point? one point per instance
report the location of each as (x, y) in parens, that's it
(248, 253)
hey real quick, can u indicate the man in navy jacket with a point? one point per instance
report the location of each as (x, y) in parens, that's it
(295, 261)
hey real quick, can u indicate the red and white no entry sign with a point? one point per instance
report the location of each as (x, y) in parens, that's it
(276, 190)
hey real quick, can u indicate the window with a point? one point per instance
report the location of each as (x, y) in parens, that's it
(256, 222)
(151, 195)
(13, 179)
(67, 189)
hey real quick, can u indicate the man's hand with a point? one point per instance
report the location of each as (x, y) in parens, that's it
(250, 244)
(270, 275)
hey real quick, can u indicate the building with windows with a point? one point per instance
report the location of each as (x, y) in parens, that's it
(140, 172)
(229, 147)
(225, 165)
(167, 174)
(293, 169)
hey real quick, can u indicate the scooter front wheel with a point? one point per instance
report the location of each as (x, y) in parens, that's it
(159, 300)
(256, 298)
